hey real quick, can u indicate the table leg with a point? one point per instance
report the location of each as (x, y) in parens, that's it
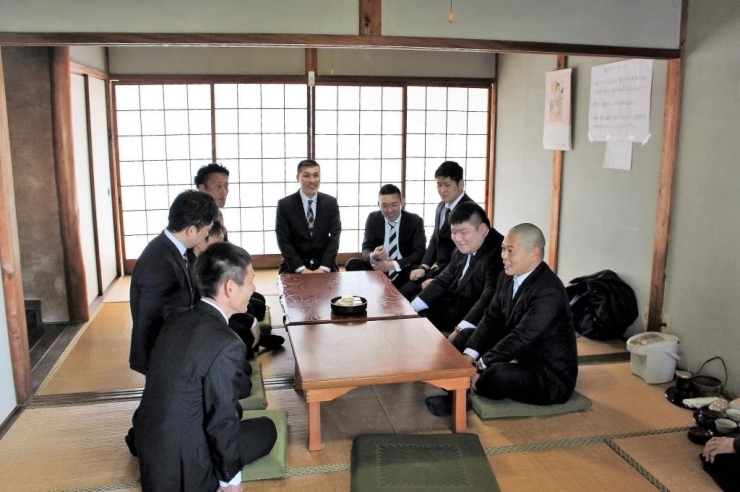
(314, 426)
(459, 416)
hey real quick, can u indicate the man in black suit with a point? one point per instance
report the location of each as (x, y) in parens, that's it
(451, 189)
(460, 293)
(161, 279)
(307, 225)
(189, 434)
(524, 346)
(394, 238)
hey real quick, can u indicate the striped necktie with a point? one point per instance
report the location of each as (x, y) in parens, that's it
(392, 248)
(309, 216)
(188, 277)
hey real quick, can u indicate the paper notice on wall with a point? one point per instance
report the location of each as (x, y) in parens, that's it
(618, 155)
(557, 110)
(620, 101)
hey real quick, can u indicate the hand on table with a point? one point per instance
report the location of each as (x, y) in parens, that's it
(384, 266)
(318, 270)
(230, 488)
(717, 445)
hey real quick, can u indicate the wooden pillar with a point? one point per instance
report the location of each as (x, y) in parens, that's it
(668, 158)
(557, 194)
(491, 172)
(10, 263)
(671, 120)
(370, 17)
(69, 220)
(312, 65)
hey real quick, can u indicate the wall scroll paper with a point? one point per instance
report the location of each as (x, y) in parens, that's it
(618, 155)
(557, 110)
(620, 101)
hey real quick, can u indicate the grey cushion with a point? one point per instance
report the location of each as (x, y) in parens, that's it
(494, 409)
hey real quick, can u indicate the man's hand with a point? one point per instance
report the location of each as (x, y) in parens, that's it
(309, 272)
(474, 381)
(255, 329)
(379, 254)
(231, 488)
(717, 445)
(469, 358)
(417, 273)
(451, 337)
(384, 266)
(426, 283)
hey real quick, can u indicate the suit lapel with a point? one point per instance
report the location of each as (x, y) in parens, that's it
(180, 262)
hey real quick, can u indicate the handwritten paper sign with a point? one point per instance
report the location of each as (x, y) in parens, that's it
(620, 101)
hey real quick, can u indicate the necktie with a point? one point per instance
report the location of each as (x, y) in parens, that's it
(392, 242)
(187, 275)
(309, 216)
(392, 248)
(516, 286)
(446, 216)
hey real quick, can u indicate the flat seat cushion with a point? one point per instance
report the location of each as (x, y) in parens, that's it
(256, 399)
(429, 463)
(274, 465)
(266, 323)
(494, 409)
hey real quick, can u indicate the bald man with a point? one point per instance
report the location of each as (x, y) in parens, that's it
(524, 347)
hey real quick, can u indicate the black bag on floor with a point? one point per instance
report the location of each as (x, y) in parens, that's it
(603, 305)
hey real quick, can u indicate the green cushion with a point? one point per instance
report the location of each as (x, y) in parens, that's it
(256, 399)
(429, 463)
(274, 464)
(494, 409)
(266, 323)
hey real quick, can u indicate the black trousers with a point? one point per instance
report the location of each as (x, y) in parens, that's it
(724, 471)
(256, 438)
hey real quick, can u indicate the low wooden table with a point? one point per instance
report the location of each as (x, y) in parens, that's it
(306, 298)
(333, 359)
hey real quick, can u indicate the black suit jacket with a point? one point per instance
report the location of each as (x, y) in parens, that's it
(535, 327)
(441, 246)
(410, 234)
(294, 239)
(187, 424)
(468, 296)
(159, 284)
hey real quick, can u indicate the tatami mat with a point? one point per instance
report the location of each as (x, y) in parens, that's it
(98, 362)
(278, 364)
(586, 468)
(119, 290)
(71, 447)
(670, 458)
(266, 282)
(588, 347)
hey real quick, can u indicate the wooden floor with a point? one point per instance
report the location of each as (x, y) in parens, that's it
(71, 436)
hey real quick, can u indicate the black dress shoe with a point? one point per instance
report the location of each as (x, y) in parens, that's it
(271, 342)
(130, 442)
(441, 405)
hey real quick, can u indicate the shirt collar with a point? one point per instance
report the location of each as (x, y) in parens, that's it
(521, 278)
(210, 301)
(397, 221)
(305, 198)
(457, 200)
(180, 247)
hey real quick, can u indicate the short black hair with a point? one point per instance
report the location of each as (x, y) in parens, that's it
(217, 264)
(390, 189)
(450, 169)
(201, 178)
(469, 212)
(307, 163)
(217, 229)
(192, 208)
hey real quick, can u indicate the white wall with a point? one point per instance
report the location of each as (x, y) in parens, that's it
(7, 386)
(215, 16)
(641, 23)
(702, 287)
(84, 197)
(91, 56)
